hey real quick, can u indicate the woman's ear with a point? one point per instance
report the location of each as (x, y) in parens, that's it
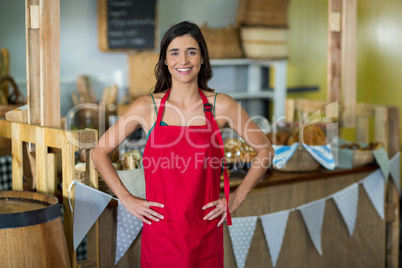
(202, 61)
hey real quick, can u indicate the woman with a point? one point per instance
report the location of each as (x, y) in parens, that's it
(183, 213)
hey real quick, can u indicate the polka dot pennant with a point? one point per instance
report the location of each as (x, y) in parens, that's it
(241, 232)
(128, 227)
(346, 200)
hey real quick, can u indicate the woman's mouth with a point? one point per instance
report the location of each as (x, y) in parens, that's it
(184, 70)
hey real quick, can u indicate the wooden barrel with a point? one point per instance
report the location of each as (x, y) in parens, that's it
(31, 231)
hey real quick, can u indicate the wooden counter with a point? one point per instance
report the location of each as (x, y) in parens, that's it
(273, 177)
(280, 191)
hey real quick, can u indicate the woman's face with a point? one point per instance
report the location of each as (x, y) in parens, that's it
(183, 58)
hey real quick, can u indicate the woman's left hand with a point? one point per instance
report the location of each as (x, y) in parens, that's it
(220, 209)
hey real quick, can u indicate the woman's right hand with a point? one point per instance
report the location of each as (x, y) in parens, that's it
(140, 208)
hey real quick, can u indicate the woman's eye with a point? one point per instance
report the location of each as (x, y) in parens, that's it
(191, 53)
(175, 54)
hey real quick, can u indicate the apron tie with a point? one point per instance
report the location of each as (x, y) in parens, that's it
(208, 112)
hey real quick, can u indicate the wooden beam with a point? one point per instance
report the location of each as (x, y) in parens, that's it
(42, 23)
(381, 124)
(42, 177)
(334, 51)
(17, 158)
(393, 131)
(49, 25)
(348, 62)
(392, 227)
(32, 60)
(341, 76)
(68, 158)
(93, 243)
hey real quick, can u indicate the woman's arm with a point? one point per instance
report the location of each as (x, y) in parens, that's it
(237, 119)
(137, 115)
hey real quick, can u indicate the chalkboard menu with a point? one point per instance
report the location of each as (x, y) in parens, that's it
(126, 24)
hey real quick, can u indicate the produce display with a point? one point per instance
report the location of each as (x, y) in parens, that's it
(237, 150)
(312, 135)
(357, 146)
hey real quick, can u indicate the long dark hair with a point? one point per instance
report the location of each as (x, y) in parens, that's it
(163, 77)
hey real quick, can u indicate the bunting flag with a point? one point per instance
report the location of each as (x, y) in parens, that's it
(241, 232)
(381, 157)
(313, 216)
(395, 170)
(274, 225)
(346, 200)
(128, 227)
(89, 205)
(374, 186)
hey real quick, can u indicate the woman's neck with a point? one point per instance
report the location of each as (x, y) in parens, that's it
(184, 94)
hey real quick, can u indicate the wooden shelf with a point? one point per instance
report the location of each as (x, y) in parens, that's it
(254, 89)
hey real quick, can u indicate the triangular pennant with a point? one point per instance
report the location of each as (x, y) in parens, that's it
(241, 232)
(374, 186)
(89, 205)
(313, 216)
(128, 227)
(346, 200)
(381, 157)
(395, 170)
(274, 225)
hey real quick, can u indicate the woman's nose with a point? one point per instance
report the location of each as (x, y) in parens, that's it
(183, 59)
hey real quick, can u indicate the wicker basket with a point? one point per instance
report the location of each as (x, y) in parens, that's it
(263, 13)
(362, 158)
(263, 42)
(222, 42)
(301, 161)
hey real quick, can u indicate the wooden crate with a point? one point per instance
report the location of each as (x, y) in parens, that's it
(68, 142)
(141, 72)
(222, 42)
(264, 42)
(5, 144)
(271, 13)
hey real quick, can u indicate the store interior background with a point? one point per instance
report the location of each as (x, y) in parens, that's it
(379, 43)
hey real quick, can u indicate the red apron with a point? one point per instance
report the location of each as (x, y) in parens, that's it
(182, 167)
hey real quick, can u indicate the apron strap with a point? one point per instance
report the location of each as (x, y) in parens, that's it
(162, 108)
(225, 172)
(211, 120)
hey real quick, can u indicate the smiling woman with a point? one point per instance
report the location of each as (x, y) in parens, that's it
(194, 48)
(182, 160)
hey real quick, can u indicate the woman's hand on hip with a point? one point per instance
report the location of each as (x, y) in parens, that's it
(140, 208)
(220, 210)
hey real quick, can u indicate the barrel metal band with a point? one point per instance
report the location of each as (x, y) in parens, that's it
(28, 218)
